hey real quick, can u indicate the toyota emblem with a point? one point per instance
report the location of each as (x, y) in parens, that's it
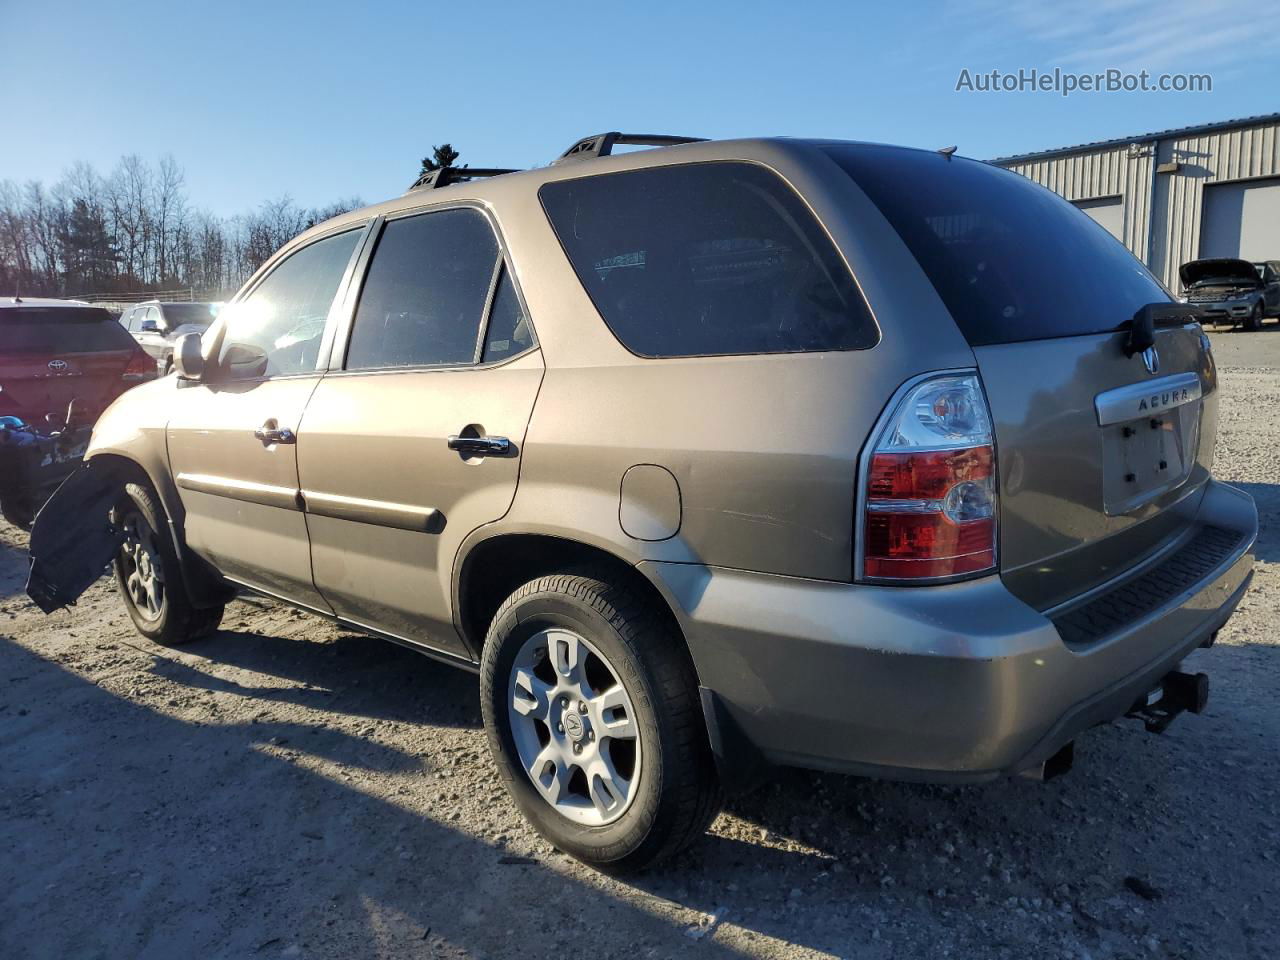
(57, 366)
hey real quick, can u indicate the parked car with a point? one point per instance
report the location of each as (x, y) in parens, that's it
(157, 326)
(62, 362)
(1233, 291)
(706, 458)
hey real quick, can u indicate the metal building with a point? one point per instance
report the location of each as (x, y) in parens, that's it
(1177, 195)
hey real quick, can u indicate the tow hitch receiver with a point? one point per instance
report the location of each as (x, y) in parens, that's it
(1177, 692)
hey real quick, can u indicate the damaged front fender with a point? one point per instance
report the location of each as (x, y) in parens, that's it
(73, 538)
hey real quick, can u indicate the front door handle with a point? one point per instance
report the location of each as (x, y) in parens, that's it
(271, 432)
(481, 446)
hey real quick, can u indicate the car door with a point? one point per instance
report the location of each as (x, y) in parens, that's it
(413, 438)
(232, 435)
(1271, 294)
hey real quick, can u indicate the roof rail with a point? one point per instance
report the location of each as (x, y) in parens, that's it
(443, 176)
(601, 144)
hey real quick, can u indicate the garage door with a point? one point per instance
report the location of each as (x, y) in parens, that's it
(1108, 211)
(1241, 220)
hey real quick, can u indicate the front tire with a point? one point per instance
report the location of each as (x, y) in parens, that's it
(149, 574)
(591, 707)
(1254, 320)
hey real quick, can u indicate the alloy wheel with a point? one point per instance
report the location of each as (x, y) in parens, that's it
(143, 567)
(574, 727)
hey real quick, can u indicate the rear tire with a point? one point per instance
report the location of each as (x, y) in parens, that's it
(149, 574)
(615, 729)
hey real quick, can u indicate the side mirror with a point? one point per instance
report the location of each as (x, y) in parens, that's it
(245, 361)
(188, 357)
(149, 326)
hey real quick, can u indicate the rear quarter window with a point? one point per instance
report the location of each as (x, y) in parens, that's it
(1010, 259)
(61, 330)
(707, 259)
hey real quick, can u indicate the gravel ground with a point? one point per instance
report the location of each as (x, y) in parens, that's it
(288, 789)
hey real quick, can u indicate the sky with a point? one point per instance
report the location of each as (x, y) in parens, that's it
(322, 100)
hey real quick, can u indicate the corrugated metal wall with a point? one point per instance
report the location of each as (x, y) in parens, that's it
(1162, 212)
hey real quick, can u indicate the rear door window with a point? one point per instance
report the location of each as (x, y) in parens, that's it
(425, 292)
(707, 259)
(1010, 259)
(61, 330)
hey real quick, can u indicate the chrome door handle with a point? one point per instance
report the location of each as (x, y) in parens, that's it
(481, 446)
(269, 432)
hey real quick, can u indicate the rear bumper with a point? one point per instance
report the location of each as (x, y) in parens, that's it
(956, 683)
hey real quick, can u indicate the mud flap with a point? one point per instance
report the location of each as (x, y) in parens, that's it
(739, 765)
(73, 539)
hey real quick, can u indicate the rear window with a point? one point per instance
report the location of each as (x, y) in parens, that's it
(61, 330)
(184, 314)
(707, 259)
(1011, 260)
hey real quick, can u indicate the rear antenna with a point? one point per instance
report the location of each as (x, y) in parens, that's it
(948, 151)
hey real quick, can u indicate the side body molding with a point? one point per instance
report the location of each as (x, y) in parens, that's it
(287, 498)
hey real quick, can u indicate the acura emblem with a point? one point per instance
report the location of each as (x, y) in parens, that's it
(1151, 359)
(57, 365)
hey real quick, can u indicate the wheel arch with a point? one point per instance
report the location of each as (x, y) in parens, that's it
(492, 568)
(205, 586)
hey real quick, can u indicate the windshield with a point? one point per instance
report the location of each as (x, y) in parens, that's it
(50, 330)
(1011, 260)
(199, 314)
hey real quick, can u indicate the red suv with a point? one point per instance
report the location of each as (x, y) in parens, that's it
(62, 362)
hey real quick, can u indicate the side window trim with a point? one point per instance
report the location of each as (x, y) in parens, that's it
(337, 357)
(486, 317)
(335, 307)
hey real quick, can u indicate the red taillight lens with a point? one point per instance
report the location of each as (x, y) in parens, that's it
(930, 513)
(141, 366)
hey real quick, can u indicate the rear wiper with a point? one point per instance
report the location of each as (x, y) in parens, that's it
(1142, 328)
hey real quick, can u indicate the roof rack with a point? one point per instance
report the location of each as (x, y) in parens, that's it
(601, 144)
(443, 176)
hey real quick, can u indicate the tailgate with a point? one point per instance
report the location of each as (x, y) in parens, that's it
(1102, 457)
(1101, 462)
(53, 354)
(33, 385)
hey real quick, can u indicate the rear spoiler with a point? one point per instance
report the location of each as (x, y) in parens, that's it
(1142, 328)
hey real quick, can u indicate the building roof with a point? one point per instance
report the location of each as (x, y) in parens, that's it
(1145, 137)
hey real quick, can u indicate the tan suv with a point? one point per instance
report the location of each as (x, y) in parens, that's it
(706, 457)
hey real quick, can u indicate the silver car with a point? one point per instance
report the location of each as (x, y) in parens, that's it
(157, 325)
(707, 458)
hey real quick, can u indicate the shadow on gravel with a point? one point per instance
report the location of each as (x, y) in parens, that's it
(113, 807)
(129, 833)
(356, 675)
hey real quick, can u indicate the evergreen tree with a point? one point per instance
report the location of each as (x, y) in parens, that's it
(442, 156)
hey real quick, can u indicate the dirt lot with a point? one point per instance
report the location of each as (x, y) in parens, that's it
(287, 789)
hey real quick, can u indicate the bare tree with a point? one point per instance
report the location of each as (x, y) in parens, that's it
(135, 231)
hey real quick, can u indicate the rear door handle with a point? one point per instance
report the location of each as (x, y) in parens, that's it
(481, 446)
(272, 432)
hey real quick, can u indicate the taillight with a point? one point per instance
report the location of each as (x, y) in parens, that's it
(141, 366)
(931, 486)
